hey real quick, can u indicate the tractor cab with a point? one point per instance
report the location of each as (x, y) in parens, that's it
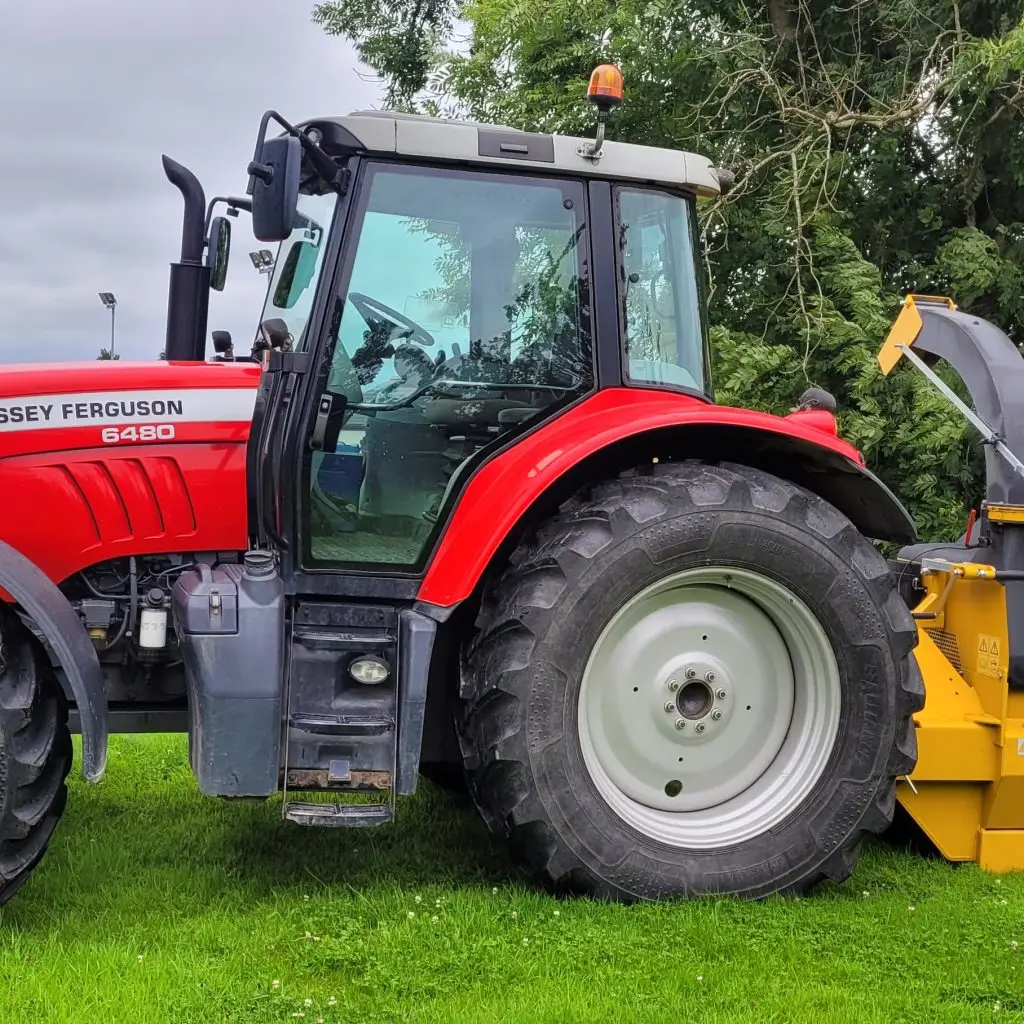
(447, 287)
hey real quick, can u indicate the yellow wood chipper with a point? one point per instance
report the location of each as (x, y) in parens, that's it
(966, 791)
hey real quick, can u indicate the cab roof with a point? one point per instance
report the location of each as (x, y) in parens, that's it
(467, 142)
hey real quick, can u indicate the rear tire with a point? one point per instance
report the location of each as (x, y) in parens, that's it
(748, 577)
(35, 753)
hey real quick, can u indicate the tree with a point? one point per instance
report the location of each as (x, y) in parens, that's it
(878, 150)
(105, 353)
(398, 39)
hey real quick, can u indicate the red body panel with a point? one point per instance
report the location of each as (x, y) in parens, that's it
(84, 480)
(505, 488)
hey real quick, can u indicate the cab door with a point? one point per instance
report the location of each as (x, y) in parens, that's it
(460, 318)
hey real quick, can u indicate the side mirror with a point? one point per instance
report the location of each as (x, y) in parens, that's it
(275, 193)
(222, 344)
(218, 251)
(296, 273)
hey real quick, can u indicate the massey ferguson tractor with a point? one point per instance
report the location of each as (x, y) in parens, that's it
(470, 505)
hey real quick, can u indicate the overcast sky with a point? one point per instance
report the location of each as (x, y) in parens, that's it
(93, 93)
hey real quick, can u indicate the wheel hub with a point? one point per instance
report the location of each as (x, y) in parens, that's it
(695, 701)
(709, 704)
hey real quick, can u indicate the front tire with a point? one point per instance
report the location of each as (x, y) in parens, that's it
(35, 753)
(719, 597)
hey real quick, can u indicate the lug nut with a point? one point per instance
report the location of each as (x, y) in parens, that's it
(669, 706)
(680, 723)
(720, 694)
(716, 714)
(691, 673)
(673, 685)
(699, 727)
(710, 676)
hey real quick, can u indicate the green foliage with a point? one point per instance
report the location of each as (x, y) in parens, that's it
(878, 148)
(105, 353)
(397, 39)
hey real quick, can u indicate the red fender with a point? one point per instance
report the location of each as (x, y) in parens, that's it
(505, 488)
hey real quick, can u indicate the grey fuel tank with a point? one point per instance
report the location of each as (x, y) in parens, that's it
(230, 622)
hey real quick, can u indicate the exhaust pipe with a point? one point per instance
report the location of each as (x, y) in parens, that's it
(188, 296)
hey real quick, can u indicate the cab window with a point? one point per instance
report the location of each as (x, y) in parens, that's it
(665, 343)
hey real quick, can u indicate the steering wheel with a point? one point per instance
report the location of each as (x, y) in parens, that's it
(371, 309)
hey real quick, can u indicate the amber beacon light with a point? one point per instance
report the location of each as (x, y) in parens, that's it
(605, 89)
(605, 92)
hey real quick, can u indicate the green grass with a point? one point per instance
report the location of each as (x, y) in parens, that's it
(155, 904)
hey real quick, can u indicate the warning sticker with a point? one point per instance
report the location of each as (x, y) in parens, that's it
(988, 655)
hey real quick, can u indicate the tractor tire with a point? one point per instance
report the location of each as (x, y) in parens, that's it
(694, 679)
(35, 753)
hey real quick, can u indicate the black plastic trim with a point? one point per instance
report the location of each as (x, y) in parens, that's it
(338, 583)
(288, 426)
(604, 276)
(416, 634)
(53, 615)
(512, 145)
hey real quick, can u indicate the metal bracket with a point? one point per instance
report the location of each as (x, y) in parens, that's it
(593, 152)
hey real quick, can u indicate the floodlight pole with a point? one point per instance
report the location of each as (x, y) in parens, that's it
(110, 302)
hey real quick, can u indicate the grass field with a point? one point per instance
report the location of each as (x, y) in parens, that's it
(155, 904)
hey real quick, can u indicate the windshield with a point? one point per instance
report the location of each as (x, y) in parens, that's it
(300, 259)
(665, 342)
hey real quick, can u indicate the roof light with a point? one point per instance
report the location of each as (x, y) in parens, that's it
(605, 92)
(605, 89)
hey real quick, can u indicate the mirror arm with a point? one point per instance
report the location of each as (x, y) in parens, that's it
(324, 166)
(234, 204)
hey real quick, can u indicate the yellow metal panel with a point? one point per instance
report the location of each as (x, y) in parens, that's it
(904, 331)
(906, 328)
(937, 300)
(948, 697)
(1004, 807)
(949, 813)
(1001, 850)
(956, 740)
(964, 752)
(1005, 513)
(975, 571)
(1004, 804)
(975, 613)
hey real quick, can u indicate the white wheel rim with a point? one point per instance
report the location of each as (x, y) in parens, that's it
(749, 671)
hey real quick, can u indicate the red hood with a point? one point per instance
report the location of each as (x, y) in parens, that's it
(61, 406)
(107, 459)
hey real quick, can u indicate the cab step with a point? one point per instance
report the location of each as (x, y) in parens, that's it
(338, 815)
(342, 725)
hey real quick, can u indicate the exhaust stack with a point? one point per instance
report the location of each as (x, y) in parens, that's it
(188, 296)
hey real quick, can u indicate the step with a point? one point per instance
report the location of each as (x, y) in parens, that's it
(338, 815)
(342, 725)
(338, 639)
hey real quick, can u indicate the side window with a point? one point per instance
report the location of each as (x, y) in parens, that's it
(465, 317)
(664, 330)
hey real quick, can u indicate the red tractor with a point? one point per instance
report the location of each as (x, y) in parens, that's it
(469, 505)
